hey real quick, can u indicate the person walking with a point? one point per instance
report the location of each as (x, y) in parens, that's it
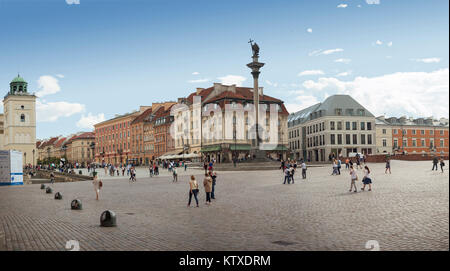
(338, 166)
(175, 175)
(97, 185)
(150, 170)
(304, 169)
(335, 171)
(442, 164)
(354, 178)
(347, 163)
(207, 184)
(435, 163)
(193, 190)
(185, 165)
(292, 172)
(286, 176)
(358, 163)
(52, 178)
(388, 166)
(366, 180)
(205, 166)
(214, 178)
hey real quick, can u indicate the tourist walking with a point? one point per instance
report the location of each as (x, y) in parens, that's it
(52, 178)
(335, 166)
(388, 166)
(442, 164)
(205, 166)
(214, 178)
(150, 169)
(366, 180)
(304, 170)
(175, 175)
(358, 163)
(287, 176)
(338, 166)
(354, 178)
(435, 163)
(347, 163)
(292, 172)
(207, 184)
(193, 190)
(97, 185)
(132, 175)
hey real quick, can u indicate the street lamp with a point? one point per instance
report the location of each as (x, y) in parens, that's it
(33, 158)
(235, 151)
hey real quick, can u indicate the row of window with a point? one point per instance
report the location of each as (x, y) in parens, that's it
(114, 127)
(414, 132)
(338, 139)
(417, 143)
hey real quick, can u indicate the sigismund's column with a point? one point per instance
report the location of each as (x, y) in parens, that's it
(255, 66)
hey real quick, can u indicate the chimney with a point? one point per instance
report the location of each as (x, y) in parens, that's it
(260, 91)
(232, 88)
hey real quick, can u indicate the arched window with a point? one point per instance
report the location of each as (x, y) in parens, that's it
(22, 118)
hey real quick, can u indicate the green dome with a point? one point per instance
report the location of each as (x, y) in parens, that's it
(18, 79)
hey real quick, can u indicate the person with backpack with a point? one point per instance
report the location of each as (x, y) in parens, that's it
(366, 180)
(193, 190)
(175, 175)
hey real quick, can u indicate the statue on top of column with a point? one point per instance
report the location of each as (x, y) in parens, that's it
(255, 48)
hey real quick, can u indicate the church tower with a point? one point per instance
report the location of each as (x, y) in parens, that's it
(19, 120)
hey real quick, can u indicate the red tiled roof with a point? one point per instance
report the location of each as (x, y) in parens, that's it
(49, 142)
(59, 142)
(243, 93)
(203, 93)
(142, 116)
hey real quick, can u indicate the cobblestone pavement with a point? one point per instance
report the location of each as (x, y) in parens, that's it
(407, 210)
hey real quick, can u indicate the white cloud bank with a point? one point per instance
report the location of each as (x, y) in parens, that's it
(311, 72)
(52, 111)
(73, 2)
(325, 52)
(373, 2)
(232, 80)
(343, 60)
(416, 94)
(303, 101)
(427, 60)
(47, 85)
(90, 120)
(309, 30)
(342, 6)
(198, 80)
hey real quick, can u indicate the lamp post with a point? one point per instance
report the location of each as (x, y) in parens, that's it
(235, 151)
(25, 157)
(33, 158)
(92, 146)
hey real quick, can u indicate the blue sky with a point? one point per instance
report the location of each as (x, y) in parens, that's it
(92, 60)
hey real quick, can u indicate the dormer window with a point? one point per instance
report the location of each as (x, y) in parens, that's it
(338, 111)
(360, 112)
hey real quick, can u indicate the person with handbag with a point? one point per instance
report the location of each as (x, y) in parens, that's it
(193, 190)
(354, 178)
(366, 180)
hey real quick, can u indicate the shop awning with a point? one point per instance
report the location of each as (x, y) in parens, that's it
(211, 148)
(240, 147)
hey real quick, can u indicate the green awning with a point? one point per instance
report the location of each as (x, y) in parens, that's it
(211, 148)
(241, 147)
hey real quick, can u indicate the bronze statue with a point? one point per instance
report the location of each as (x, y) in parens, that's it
(255, 48)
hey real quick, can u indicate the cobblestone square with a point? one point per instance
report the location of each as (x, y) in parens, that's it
(407, 210)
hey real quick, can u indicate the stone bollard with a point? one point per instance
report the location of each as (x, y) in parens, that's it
(58, 195)
(76, 204)
(49, 190)
(42, 186)
(108, 219)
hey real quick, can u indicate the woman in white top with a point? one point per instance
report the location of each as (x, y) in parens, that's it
(366, 179)
(97, 185)
(354, 177)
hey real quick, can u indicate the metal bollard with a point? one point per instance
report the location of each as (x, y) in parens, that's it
(58, 195)
(76, 204)
(108, 219)
(49, 190)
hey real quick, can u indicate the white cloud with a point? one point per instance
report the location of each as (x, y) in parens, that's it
(199, 80)
(310, 72)
(47, 85)
(342, 6)
(373, 2)
(73, 2)
(309, 30)
(89, 120)
(60, 75)
(232, 80)
(359, 6)
(378, 42)
(343, 60)
(416, 94)
(427, 60)
(52, 111)
(271, 83)
(325, 52)
(389, 44)
(303, 101)
(347, 73)
(195, 73)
